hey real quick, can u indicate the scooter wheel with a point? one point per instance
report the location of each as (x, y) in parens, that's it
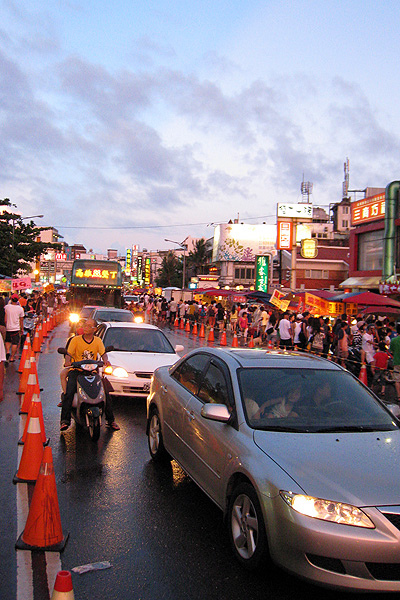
(94, 428)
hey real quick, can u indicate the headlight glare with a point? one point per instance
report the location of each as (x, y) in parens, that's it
(74, 318)
(327, 510)
(120, 372)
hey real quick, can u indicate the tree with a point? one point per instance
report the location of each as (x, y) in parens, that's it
(198, 257)
(18, 241)
(170, 272)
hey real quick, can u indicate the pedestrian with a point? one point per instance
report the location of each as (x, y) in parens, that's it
(296, 329)
(2, 318)
(395, 351)
(2, 365)
(14, 318)
(233, 319)
(285, 331)
(343, 343)
(172, 310)
(220, 316)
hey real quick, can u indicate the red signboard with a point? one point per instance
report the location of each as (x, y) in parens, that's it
(285, 235)
(369, 209)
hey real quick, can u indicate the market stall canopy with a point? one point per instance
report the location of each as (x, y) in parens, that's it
(371, 300)
(262, 296)
(361, 282)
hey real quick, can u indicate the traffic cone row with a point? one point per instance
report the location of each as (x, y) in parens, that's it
(43, 531)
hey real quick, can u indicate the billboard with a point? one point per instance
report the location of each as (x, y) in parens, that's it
(368, 209)
(240, 242)
(262, 273)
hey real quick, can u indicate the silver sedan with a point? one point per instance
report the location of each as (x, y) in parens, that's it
(303, 460)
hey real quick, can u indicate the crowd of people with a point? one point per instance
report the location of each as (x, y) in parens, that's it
(350, 340)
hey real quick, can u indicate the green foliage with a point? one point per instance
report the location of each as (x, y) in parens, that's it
(18, 245)
(198, 258)
(170, 272)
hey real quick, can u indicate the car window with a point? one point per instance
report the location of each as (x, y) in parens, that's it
(213, 386)
(310, 400)
(113, 315)
(137, 339)
(86, 312)
(190, 371)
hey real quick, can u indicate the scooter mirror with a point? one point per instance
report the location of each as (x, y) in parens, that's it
(109, 348)
(62, 351)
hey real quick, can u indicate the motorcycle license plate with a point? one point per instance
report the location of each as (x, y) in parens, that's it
(146, 387)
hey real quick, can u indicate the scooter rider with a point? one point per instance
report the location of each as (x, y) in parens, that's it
(84, 347)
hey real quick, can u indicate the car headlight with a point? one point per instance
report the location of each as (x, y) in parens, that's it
(118, 372)
(327, 510)
(74, 318)
(138, 320)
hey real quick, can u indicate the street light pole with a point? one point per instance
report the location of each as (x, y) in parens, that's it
(184, 248)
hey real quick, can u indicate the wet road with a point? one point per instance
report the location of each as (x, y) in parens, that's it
(163, 537)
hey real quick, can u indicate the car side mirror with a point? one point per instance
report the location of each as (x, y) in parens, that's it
(216, 412)
(179, 348)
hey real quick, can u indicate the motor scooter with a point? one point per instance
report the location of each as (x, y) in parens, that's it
(89, 401)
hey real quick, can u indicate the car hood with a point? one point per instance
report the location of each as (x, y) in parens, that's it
(357, 468)
(141, 361)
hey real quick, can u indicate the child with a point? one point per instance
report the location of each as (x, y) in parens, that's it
(380, 365)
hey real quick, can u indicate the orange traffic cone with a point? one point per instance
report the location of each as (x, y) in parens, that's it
(235, 341)
(43, 529)
(63, 589)
(36, 341)
(41, 334)
(32, 453)
(31, 388)
(194, 330)
(176, 324)
(223, 338)
(202, 333)
(35, 400)
(270, 346)
(25, 350)
(251, 342)
(23, 380)
(211, 335)
(182, 324)
(363, 375)
(187, 328)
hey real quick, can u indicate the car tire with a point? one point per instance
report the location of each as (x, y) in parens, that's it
(246, 527)
(155, 439)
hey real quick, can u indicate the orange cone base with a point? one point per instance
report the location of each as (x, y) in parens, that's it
(21, 545)
(21, 443)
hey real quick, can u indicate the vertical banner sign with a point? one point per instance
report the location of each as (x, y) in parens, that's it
(285, 235)
(139, 271)
(262, 272)
(128, 261)
(147, 270)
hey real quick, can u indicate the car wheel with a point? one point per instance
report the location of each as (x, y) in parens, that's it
(246, 527)
(155, 440)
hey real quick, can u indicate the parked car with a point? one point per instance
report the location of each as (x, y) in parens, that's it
(132, 298)
(302, 459)
(138, 351)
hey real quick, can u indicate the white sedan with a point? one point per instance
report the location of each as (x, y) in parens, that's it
(139, 349)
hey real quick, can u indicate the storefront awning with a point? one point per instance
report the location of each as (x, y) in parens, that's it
(361, 282)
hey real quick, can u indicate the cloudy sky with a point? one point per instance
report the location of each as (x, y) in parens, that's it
(131, 121)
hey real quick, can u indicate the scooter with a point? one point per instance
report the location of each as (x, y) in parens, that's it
(89, 401)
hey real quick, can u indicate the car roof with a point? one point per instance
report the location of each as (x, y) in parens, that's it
(248, 357)
(110, 308)
(130, 325)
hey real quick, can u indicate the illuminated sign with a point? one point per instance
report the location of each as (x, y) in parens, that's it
(139, 272)
(285, 235)
(262, 273)
(61, 256)
(128, 259)
(276, 298)
(94, 272)
(309, 248)
(295, 211)
(147, 270)
(367, 210)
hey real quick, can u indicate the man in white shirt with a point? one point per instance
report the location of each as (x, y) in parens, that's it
(2, 364)
(14, 317)
(285, 331)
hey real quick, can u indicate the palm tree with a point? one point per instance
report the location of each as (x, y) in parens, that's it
(198, 257)
(170, 272)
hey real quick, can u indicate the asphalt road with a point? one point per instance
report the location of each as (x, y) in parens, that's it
(163, 537)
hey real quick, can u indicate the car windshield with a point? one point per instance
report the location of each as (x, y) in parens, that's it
(310, 400)
(126, 339)
(114, 315)
(86, 312)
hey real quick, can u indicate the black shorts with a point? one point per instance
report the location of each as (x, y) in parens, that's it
(13, 337)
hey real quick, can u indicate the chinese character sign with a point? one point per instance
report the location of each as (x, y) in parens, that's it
(147, 270)
(262, 273)
(285, 235)
(369, 209)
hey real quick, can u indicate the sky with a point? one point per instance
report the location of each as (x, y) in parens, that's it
(132, 121)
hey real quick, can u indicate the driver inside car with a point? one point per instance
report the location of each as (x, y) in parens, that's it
(84, 347)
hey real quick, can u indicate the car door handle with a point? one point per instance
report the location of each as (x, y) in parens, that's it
(190, 414)
(164, 388)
